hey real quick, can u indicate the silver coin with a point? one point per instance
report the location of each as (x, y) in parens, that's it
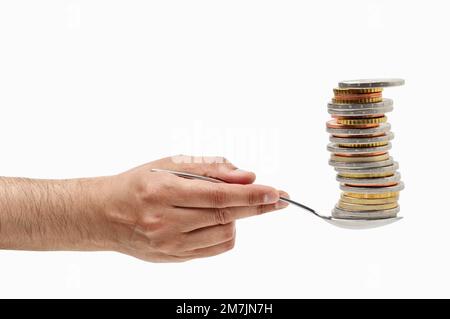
(361, 165)
(359, 159)
(335, 148)
(372, 190)
(369, 181)
(357, 113)
(361, 106)
(362, 140)
(374, 170)
(376, 214)
(382, 128)
(371, 83)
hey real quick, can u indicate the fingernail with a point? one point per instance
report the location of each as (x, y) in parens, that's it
(240, 170)
(270, 198)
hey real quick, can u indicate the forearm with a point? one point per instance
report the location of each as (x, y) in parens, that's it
(52, 214)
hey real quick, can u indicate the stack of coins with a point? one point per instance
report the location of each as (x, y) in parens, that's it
(360, 140)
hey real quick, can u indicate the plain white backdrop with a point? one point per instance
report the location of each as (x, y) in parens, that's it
(95, 87)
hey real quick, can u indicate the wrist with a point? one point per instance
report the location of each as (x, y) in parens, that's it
(92, 212)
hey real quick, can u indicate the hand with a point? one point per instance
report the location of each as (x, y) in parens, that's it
(160, 217)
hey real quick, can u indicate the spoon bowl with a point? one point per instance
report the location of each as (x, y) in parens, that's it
(361, 223)
(346, 223)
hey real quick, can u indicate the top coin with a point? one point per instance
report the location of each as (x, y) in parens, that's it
(371, 83)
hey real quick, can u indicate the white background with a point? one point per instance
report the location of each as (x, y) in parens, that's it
(96, 87)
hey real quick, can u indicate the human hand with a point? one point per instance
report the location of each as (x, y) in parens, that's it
(160, 217)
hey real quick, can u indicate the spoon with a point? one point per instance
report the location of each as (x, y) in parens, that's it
(339, 222)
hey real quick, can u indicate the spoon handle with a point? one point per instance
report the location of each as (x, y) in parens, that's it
(217, 180)
(293, 202)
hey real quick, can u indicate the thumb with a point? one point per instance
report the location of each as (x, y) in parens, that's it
(233, 175)
(215, 167)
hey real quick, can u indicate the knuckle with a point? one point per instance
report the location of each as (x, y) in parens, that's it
(229, 245)
(254, 197)
(151, 223)
(148, 191)
(155, 188)
(181, 159)
(177, 245)
(222, 160)
(218, 197)
(222, 216)
(261, 209)
(170, 245)
(161, 190)
(215, 160)
(217, 163)
(228, 231)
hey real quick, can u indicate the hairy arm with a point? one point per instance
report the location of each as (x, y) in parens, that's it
(37, 214)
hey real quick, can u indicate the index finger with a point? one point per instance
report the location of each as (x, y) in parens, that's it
(196, 218)
(203, 194)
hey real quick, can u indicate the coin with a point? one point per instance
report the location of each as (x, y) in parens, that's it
(376, 170)
(365, 175)
(335, 148)
(370, 83)
(379, 214)
(390, 184)
(362, 121)
(382, 128)
(372, 190)
(362, 140)
(371, 196)
(335, 124)
(391, 180)
(360, 100)
(360, 165)
(376, 144)
(360, 160)
(361, 112)
(360, 155)
(371, 201)
(362, 207)
(345, 177)
(355, 96)
(339, 91)
(361, 106)
(365, 116)
(359, 136)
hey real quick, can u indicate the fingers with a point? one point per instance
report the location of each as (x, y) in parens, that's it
(195, 218)
(216, 167)
(208, 236)
(209, 251)
(195, 193)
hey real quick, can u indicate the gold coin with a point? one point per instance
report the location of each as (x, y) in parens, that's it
(363, 145)
(364, 159)
(368, 201)
(339, 91)
(360, 207)
(357, 101)
(366, 175)
(369, 195)
(361, 121)
(357, 96)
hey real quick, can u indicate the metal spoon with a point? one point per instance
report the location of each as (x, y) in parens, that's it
(343, 223)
